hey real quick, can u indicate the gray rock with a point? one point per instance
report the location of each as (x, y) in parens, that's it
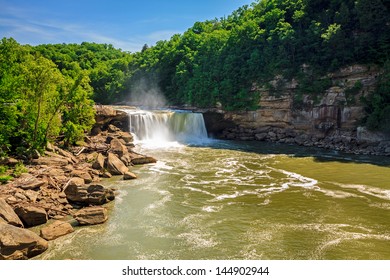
(261, 136)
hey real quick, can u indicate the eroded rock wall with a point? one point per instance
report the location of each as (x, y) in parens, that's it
(332, 121)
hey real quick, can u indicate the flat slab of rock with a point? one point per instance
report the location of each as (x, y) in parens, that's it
(51, 161)
(31, 215)
(8, 214)
(20, 244)
(91, 215)
(115, 166)
(29, 182)
(56, 229)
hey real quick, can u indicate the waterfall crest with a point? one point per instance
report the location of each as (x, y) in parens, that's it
(167, 126)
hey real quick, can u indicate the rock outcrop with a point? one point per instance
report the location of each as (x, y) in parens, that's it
(330, 122)
(19, 244)
(91, 216)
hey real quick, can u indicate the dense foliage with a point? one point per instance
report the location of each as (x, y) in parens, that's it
(38, 102)
(378, 104)
(46, 91)
(218, 61)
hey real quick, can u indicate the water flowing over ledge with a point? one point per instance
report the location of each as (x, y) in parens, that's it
(160, 128)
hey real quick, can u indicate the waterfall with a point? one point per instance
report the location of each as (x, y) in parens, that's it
(160, 127)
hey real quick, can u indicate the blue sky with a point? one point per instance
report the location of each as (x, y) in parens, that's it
(125, 24)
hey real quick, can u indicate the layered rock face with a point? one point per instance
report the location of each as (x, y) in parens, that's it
(331, 121)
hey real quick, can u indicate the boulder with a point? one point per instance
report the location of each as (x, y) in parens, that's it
(91, 215)
(115, 166)
(98, 194)
(116, 147)
(126, 137)
(31, 215)
(99, 162)
(56, 229)
(93, 194)
(8, 214)
(20, 244)
(82, 174)
(141, 159)
(76, 181)
(112, 128)
(129, 176)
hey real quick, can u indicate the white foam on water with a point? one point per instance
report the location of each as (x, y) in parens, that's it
(227, 196)
(167, 196)
(198, 239)
(120, 195)
(212, 209)
(338, 193)
(367, 190)
(193, 189)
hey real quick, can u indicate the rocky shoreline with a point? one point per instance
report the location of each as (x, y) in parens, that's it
(62, 186)
(360, 142)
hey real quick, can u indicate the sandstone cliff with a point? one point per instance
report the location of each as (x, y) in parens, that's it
(328, 119)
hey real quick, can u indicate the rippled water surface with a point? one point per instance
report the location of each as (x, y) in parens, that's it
(233, 200)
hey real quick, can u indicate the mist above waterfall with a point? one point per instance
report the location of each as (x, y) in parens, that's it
(146, 94)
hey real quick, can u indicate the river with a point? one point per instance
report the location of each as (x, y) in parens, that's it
(242, 200)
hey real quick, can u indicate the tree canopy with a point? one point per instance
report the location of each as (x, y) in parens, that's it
(47, 90)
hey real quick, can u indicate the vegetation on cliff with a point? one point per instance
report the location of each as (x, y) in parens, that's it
(46, 91)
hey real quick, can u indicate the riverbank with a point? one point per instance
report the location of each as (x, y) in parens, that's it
(61, 186)
(360, 142)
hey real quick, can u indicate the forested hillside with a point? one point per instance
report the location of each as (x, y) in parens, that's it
(47, 90)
